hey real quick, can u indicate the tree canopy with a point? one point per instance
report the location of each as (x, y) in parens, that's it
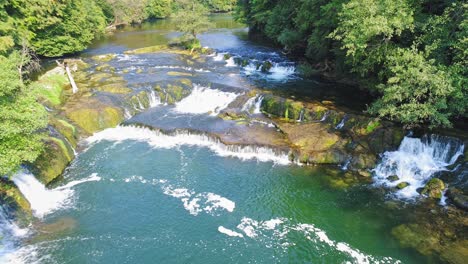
(411, 54)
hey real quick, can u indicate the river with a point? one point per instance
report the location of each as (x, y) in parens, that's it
(136, 195)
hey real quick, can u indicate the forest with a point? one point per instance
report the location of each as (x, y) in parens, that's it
(411, 55)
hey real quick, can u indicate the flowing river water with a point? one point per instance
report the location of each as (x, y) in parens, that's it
(136, 195)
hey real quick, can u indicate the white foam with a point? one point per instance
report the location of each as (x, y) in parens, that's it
(416, 161)
(230, 62)
(156, 139)
(229, 232)
(171, 67)
(275, 232)
(204, 100)
(277, 72)
(196, 203)
(44, 201)
(219, 56)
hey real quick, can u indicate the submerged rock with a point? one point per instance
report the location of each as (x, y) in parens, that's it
(434, 188)
(393, 178)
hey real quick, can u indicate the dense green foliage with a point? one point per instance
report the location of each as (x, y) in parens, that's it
(411, 54)
(20, 118)
(191, 19)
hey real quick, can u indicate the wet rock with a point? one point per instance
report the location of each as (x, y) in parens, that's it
(364, 173)
(67, 130)
(434, 188)
(458, 198)
(402, 185)
(91, 115)
(53, 160)
(115, 88)
(266, 66)
(13, 200)
(104, 58)
(393, 178)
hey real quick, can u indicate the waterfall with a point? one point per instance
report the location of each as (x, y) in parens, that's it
(325, 116)
(253, 105)
(157, 139)
(258, 104)
(140, 105)
(230, 62)
(44, 201)
(219, 56)
(301, 116)
(416, 161)
(153, 99)
(341, 124)
(127, 113)
(205, 100)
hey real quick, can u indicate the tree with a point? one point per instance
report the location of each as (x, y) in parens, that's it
(159, 8)
(192, 19)
(21, 118)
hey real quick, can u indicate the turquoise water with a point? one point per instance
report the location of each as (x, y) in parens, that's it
(135, 213)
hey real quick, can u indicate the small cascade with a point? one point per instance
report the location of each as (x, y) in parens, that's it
(279, 72)
(158, 139)
(219, 56)
(301, 116)
(10, 234)
(342, 123)
(230, 62)
(153, 99)
(127, 113)
(43, 200)
(247, 107)
(258, 104)
(140, 104)
(204, 100)
(416, 161)
(325, 116)
(346, 165)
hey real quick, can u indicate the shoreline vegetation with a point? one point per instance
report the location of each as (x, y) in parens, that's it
(417, 74)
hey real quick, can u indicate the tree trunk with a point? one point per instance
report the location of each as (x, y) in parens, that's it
(72, 81)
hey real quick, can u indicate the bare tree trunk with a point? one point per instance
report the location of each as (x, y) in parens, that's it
(70, 77)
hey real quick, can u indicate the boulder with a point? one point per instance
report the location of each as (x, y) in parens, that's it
(434, 188)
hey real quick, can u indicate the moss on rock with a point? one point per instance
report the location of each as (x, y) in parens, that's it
(50, 88)
(92, 115)
(434, 188)
(104, 57)
(66, 129)
(115, 88)
(13, 200)
(53, 160)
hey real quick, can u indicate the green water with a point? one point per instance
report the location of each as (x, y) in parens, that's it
(129, 217)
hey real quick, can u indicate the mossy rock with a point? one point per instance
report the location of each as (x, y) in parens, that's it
(105, 67)
(104, 58)
(93, 116)
(281, 107)
(13, 200)
(266, 66)
(393, 178)
(173, 73)
(402, 185)
(456, 252)
(173, 93)
(140, 100)
(50, 89)
(160, 48)
(53, 160)
(66, 129)
(115, 88)
(434, 188)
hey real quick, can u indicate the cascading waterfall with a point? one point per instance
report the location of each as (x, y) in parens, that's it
(342, 123)
(253, 105)
(230, 62)
(301, 116)
(325, 116)
(205, 100)
(416, 161)
(44, 201)
(157, 139)
(258, 104)
(153, 99)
